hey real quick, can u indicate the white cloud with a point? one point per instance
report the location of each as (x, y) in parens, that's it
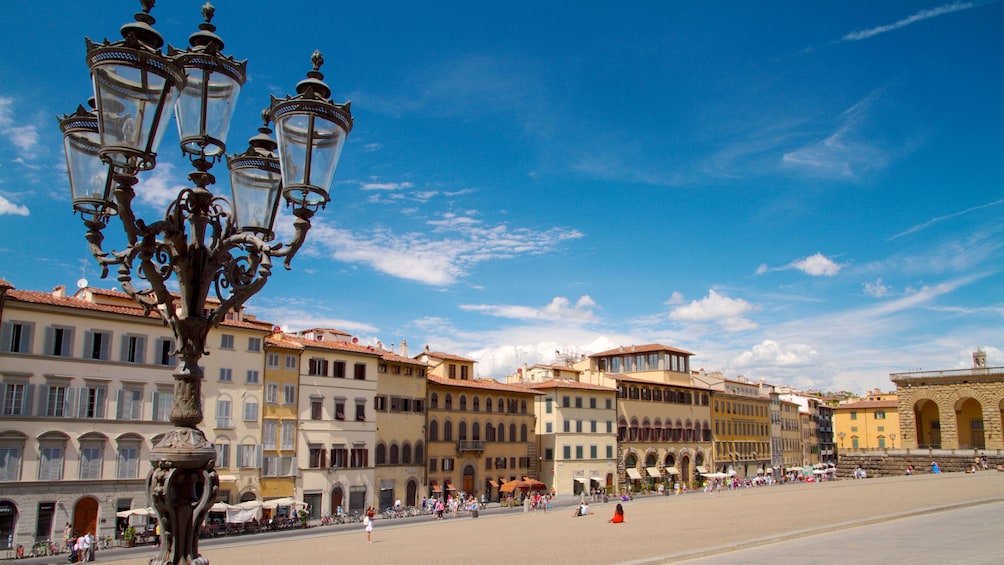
(939, 219)
(675, 298)
(771, 354)
(877, 289)
(817, 265)
(159, 187)
(918, 17)
(386, 185)
(23, 136)
(840, 154)
(9, 208)
(727, 312)
(560, 308)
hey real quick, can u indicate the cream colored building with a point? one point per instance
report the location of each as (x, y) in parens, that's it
(85, 393)
(576, 435)
(400, 436)
(336, 422)
(791, 436)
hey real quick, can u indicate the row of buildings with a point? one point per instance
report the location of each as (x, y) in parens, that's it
(86, 388)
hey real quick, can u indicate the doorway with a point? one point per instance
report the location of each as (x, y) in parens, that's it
(85, 516)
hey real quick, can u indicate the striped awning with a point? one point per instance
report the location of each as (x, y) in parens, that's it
(493, 483)
(449, 485)
(654, 472)
(435, 487)
(634, 474)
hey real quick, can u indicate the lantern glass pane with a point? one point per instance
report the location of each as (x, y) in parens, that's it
(208, 135)
(309, 148)
(128, 100)
(256, 194)
(88, 173)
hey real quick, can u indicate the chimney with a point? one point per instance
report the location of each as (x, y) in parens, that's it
(59, 291)
(404, 348)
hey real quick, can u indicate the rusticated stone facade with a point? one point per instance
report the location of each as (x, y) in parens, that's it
(959, 409)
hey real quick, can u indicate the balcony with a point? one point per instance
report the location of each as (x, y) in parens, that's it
(464, 445)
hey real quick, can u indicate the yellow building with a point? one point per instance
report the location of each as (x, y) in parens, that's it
(279, 416)
(869, 424)
(479, 431)
(400, 435)
(741, 414)
(792, 457)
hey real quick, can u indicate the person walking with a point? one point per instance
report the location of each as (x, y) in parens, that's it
(370, 513)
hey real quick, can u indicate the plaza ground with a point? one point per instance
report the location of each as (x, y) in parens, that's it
(658, 529)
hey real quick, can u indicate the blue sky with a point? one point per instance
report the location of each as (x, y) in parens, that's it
(809, 193)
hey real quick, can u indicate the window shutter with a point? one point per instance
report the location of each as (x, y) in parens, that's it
(68, 401)
(106, 344)
(119, 400)
(43, 401)
(99, 403)
(67, 344)
(88, 344)
(258, 456)
(141, 349)
(156, 404)
(6, 330)
(26, 403)
(124, 351)
(49, 335)
(292, 466)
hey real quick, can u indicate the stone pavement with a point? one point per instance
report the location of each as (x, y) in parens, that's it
(658, 529)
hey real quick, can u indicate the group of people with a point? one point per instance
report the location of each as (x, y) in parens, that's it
(81, 547)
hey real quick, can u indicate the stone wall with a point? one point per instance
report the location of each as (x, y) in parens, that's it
(947, 392)
(895, 462)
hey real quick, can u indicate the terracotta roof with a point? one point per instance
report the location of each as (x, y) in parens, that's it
(325, 330)
(391, 356)
(866, 404)
(279, 340)
(483, 384)
(648, 348)
(632, 379)
(560, 383)
(558, 367)
(445, 356)
(346, 346)
(47, 298)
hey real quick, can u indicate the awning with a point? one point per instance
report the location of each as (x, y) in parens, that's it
(701, 469)
(435, 487)
(582, 480)
(634, 474)
(449, 485)
(493, 483)
(597, 479)
(672, 471)
(654, 472)
(228, 478)
(769, 470)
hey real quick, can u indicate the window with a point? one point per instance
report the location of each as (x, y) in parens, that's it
(128, 462)
(59, 341)
(288, 434)
(610, 427)
(223, 414)
(222, 453)
(248, 456)
(271, 393)
(549, 453)
(381, 454)
(592, 403)
(448, 402)
(854, 415)
(10, 463)
(578, 452)
(360, 372)
(226, 375)
(610, 452)
(360, 410)
(56, 401)
(447, 464)
(568, 426)
(251, 410)
(339, 369)
(451, 371)
(97, 344)
(254, 344)
(317, 367)
(578, 402)
(269, 433)
(592, 452)
(549, 427)
(16, 399)
(289, 394)
(566, 401)
(130, 404)
(339, 455)
(92, 402)
(359, 457)
(463, 402)
(50, 463)
(134, 349)
(578, 426)
(272, 360)
(90, 461)
(339, 408)
(463, 372)
(566, 452)
(291, 361)
(609, 404)
(226, 341)
(548, 405)
(592, 426)
(15, 337)
(252, 377)
(433, 465)
(880, 414)
(380, 403)
(162, 401)
(316, 408)
(164, 352)
(317, 457)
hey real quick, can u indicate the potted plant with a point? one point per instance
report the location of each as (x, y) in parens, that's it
(129, 536)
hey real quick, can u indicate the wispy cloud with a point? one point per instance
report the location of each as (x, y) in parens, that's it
(9, 208)
(841, 154)
(560, 308)
(918, 17)
(24, 137)
(817, 265)
(939, 219)
(442, 256)
(727, 313)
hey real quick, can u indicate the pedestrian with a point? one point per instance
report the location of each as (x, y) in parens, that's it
(68, 538)
(370, 513)
(618, 514)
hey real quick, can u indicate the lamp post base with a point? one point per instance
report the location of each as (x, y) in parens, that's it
(182, 486)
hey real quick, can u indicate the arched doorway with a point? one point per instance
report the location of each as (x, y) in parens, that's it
(928, 419)
(969, 420)
(8, 520)
(411, 493)
(468, 480)
(85, 515)
(337, 496)
(685, 470)
(248, 496)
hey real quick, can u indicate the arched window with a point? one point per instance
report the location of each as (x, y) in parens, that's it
(501, 406)
(477, 404)
(462, 431)
(434, 401)
(463, 402)
(489, 431)
(622, 430)
(381, 454)
(501, 431)
(635, 431)
(476, 431)
(522, 407)
(419, 452)
(488, 405)
(448, 404)
(657, 429)
(394, 454)
(512, 432)
(447, 431)
(646, 429)
(433, 431)
(522, 433)
(406, 453)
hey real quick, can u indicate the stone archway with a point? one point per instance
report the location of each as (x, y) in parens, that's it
(85, 515)
(411, 493)
(928, 418)
(969, 423)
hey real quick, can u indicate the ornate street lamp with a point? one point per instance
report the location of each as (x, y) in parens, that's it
(209, 243)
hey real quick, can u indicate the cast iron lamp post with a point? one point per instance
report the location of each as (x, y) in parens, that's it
(209, 243)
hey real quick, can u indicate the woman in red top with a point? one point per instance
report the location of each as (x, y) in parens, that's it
(618, 514)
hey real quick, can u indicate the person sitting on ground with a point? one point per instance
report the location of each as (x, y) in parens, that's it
(618, 514)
